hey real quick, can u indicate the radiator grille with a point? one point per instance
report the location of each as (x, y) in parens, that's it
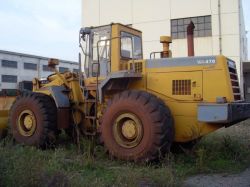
(234, 80)
(137, 67)
(181, 87)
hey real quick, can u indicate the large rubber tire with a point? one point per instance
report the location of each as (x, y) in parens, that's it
(44, 112)
(156, 121)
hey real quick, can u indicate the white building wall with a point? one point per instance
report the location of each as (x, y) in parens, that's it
(154, 19)
(25, 74)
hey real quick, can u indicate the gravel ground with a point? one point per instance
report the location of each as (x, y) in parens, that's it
(219, 180)
(242, 131)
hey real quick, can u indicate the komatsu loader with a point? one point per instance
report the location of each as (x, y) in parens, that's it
(137, 107)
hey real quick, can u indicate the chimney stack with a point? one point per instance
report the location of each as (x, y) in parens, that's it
(190, 38)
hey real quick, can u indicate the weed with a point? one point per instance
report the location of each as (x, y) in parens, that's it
(201, 152)
(64, 166)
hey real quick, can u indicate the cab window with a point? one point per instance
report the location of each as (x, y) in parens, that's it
(101, 39)
(131, 46)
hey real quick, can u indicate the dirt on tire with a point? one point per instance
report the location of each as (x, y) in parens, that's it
(156, 120)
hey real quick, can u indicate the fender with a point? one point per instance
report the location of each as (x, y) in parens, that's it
(61, 99)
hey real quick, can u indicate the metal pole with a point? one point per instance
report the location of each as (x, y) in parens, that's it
(220, 35)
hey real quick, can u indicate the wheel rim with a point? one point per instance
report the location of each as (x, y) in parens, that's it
(26, 123)
(127, 130)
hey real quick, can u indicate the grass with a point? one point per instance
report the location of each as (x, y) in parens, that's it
(224, 151)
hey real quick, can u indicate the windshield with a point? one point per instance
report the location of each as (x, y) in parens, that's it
(100, 38)
(131, 46)
(98, 45)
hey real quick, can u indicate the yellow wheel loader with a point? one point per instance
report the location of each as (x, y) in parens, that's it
(137, 107)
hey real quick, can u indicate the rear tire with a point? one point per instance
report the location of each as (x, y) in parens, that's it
(33, 120)
(137, 126)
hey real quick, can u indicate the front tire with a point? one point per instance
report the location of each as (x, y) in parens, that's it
(137, 126)
(33, 120)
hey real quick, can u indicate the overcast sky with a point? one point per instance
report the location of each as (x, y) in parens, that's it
(42, 27)
(50, 27)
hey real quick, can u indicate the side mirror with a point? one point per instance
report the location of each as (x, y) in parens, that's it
(84, 32)
(52, 63)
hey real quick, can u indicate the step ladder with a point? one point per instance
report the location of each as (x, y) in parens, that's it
(90, 114)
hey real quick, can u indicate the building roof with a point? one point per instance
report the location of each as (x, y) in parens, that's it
(34, 56)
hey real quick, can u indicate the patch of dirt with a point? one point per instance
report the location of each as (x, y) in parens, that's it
(219, 180)
(240, 131)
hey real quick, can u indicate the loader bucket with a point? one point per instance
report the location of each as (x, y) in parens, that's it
(5, 104)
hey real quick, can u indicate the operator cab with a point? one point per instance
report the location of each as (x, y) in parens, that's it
(109, 48)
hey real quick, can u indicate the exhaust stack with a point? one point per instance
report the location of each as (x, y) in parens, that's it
(190, 38)
(166, 41)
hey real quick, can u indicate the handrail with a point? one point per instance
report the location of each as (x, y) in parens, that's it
(153, 53)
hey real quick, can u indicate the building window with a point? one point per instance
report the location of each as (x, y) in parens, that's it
(63, 69)
(46, 68)
(76, 70)
(9, 92)
(9, 78)
(202, 24)
(29, 66)
(9, 63)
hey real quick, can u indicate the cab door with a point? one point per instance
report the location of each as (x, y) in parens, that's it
(126, 46)
(99, 61)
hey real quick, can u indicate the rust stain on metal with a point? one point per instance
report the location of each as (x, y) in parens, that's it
(63, 118)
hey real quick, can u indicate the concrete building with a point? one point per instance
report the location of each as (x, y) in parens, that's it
(219, 24)
(18, 67)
